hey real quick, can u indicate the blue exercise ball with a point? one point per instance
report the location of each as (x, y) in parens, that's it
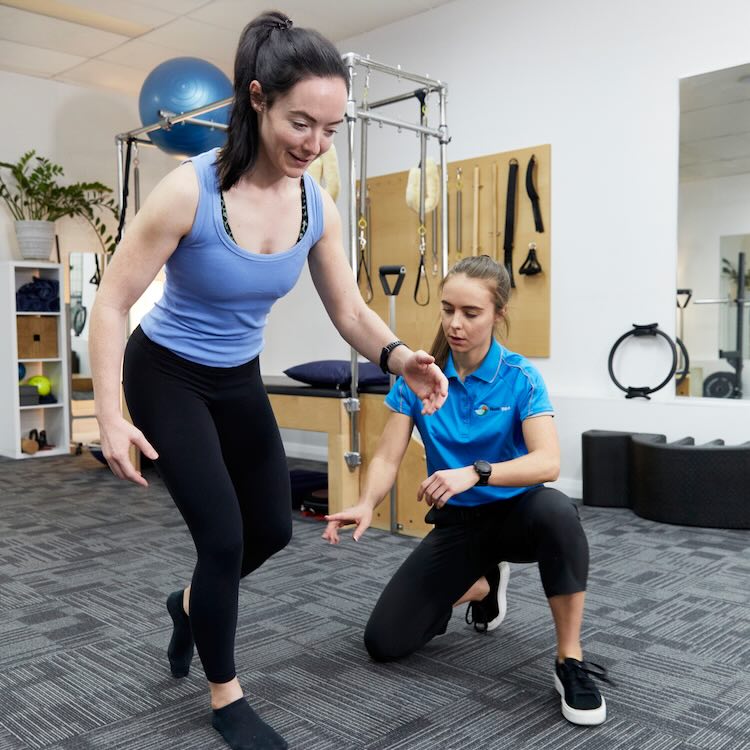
(180, 85)
(21, 371)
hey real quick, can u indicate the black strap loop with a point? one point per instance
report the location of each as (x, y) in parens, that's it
(421, 274)
(650, 329)
(510, 219)
(125, 192)
(534, 195)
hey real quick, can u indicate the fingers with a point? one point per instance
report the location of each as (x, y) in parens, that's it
(122, 468)
(145, 447)
(331, 534)
(362, 526)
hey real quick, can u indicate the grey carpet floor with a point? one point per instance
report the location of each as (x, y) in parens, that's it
(86, 562)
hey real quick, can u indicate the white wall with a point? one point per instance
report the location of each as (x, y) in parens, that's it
(73, 126)
(598, 81)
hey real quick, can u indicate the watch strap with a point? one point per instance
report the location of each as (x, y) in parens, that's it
(386, 352)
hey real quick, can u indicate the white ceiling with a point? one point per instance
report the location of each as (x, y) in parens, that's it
(715, 124)
(114, 44)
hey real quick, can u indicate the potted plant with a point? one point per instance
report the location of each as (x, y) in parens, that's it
(36, 200)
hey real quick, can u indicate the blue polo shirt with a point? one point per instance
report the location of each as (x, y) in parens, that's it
(481, 418)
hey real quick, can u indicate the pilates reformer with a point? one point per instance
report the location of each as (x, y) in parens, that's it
(341, 421)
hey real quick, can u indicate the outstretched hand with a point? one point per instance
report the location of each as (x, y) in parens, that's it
(427, 381)
(117, 435)
(359, 514)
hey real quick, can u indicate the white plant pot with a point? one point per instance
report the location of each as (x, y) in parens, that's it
(35, 239)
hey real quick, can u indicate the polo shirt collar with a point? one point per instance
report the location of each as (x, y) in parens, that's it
(487, 371)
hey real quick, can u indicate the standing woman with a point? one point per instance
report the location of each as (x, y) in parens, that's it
(234, 229)
(489, 450)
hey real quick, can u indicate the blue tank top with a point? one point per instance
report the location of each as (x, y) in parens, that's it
(217, 296)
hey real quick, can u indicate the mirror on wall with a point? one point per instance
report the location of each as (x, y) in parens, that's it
(84, 270)
(713, 266)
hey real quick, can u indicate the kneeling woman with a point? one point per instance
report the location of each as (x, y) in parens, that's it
(489, 450)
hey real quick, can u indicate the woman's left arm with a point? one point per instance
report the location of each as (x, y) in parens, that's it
(540, 464)
(358, 324)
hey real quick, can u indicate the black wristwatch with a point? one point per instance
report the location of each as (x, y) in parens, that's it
(484, 469)
(386, 352)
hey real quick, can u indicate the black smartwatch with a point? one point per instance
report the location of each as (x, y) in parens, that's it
(484, 470)
(386, 352)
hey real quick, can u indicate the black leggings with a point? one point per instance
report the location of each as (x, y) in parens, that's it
(541, 525)
(222, 460)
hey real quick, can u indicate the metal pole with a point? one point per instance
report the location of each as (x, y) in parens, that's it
(401, 124)
(393, 494)
(367, 62)
(174, 119)
(399, 98)
(136, 179)
(444, 177)
(740, 323)
(353, 457)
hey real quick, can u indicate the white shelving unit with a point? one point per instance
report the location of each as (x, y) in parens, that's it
(17, 421)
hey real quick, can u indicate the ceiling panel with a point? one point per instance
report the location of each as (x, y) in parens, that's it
(196, 39)
(146, 14)
(107, 75)
(174, 7)
(723, 119)
(146, 56)
(39, 38)
(21, 58)
(36, 30)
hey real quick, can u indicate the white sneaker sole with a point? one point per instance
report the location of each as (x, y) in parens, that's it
(589, 718)
(502, 601)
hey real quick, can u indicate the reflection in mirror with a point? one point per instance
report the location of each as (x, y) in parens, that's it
(84, 269)
(84, 273)
(713, 280)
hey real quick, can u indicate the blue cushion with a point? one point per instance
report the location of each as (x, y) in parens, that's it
(336, 372)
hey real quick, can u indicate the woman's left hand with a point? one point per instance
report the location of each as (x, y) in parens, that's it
(441, 486)
(426, 379)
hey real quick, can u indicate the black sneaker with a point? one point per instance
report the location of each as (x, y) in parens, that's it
(487, 614)
(581, 700)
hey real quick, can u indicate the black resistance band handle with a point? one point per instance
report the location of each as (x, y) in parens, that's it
(384, 272)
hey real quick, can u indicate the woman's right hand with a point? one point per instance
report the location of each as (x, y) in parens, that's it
(117, 435)
(360, 514)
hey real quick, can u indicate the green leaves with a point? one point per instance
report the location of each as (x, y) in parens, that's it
(35, 193)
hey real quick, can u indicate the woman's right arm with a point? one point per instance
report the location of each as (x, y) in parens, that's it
(152, 236)
(381, 475)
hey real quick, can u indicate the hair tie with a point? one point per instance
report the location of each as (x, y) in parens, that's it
(285, 24)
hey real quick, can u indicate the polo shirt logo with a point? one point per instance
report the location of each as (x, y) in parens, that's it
(483, 409)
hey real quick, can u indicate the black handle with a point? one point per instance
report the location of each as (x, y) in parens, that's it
(384, 272)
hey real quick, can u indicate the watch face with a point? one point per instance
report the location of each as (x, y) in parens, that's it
(484, 468)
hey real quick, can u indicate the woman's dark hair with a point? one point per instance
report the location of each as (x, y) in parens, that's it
(498, 282)
(278, 55)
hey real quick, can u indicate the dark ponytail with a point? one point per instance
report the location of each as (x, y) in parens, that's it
(278, 55)
(481, 267)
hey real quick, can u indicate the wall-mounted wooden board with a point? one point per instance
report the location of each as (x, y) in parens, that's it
(394, 239)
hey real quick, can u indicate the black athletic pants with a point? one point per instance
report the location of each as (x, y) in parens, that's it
(222, 460)
(541, 525)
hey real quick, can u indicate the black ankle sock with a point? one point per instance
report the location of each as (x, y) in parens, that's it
(180, 649)
(243, 729)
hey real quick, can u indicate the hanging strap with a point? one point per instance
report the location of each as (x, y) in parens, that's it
(421, 273)
(510, 219)
(363, 264)
(533, 195)
(125, 192)
(422, 230)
